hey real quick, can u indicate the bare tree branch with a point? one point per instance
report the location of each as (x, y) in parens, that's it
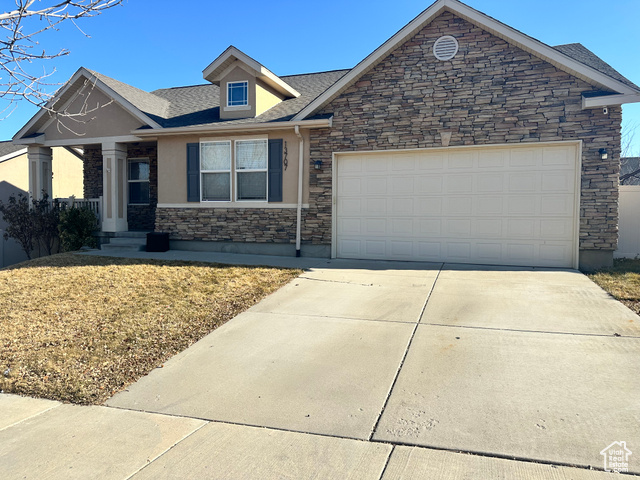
(22, 73)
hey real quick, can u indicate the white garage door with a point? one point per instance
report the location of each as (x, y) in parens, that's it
(497, 206)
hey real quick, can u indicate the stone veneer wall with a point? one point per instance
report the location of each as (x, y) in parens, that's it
(142, 217)
(92, 172)
(259, 225)
(490, 93)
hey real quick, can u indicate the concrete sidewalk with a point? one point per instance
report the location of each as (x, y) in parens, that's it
(372, 370)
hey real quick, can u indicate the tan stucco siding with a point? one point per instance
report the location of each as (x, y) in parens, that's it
(238, 75)
(67, 174)
(106, 119)
(266, 98)
(172, 166)
(15, 172)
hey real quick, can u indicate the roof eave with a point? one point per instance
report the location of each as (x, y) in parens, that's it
(610, 100)
(198, 129)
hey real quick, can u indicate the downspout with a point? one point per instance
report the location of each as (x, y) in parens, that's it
(300, 178)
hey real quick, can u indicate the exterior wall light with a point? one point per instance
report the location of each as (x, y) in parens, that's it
(603, 153)
(317, 164)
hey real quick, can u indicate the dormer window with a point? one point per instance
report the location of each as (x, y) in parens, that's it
(238, 94)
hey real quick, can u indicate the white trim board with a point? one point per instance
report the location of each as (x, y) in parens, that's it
(483, 21)
(233, 205)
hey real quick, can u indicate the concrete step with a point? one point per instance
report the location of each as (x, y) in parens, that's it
(123, 247)
(127, 241)
(131, 235)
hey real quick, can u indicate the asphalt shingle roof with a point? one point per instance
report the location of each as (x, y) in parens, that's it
(7, 147)
(580, 53)
(199, 105)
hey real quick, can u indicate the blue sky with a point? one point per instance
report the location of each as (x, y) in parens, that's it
(163, 43)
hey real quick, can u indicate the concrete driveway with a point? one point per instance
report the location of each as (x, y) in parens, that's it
(391, 370)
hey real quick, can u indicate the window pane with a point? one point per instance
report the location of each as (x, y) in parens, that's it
(237, 94)
(252, 186)
(138, 170)
(139, 192)
(251, 155)
(215, 187)
(215, 156)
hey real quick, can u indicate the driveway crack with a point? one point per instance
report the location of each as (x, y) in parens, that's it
(406, 352)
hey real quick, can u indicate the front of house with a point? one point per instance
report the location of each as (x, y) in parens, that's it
(460, 139)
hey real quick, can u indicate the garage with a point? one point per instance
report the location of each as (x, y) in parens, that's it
(496, 205)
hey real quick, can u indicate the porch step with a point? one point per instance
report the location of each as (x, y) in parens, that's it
(126, 242)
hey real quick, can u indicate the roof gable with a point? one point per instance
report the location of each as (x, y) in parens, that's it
(142, 105)
(233, 57)
(556, 57)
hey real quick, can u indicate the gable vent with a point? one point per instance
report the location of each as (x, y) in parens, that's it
(445, 48)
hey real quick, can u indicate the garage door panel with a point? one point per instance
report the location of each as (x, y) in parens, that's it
(524, 157)
(350, 207)
(459, 184)
(491, 159)
(402, 186)
(557, 156)
(430, 162)
(557, 182)
(524, 182)
(459, 160)
(493, 206)
(427, 206)
(458, 206)
(458, 227)
(490, 183)
(509, 206)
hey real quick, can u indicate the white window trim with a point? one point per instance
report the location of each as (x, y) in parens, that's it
(265, 170)
(229, 106)
(138, 159)
(217, 171)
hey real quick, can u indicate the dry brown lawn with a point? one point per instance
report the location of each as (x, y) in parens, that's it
(80, 328)
(622, 282)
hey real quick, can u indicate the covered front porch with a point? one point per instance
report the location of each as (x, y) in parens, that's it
(120, 183)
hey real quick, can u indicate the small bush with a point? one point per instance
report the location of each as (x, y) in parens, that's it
(76, 228)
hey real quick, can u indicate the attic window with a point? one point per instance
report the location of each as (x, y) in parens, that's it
(445, 48)
(237, 94)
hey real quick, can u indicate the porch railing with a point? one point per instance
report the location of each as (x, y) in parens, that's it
(93, 204)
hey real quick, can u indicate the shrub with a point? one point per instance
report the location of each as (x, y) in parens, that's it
(21, 224)
(76, 228)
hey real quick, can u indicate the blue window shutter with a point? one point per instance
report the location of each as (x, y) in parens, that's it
(193, 172)
(275, 170)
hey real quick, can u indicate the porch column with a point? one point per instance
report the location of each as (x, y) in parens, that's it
(114, 187)
(40, 173)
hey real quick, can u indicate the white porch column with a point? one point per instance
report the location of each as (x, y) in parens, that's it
(114, 187)
(40, 173)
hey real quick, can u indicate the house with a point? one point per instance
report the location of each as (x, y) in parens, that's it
(460, 139)
(630, 171)
(66, 181)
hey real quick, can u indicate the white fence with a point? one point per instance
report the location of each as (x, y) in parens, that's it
(629, 223)
(93, 204)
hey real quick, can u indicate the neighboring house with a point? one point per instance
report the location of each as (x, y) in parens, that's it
(630, 171)
(460, 139)
(14, 179)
